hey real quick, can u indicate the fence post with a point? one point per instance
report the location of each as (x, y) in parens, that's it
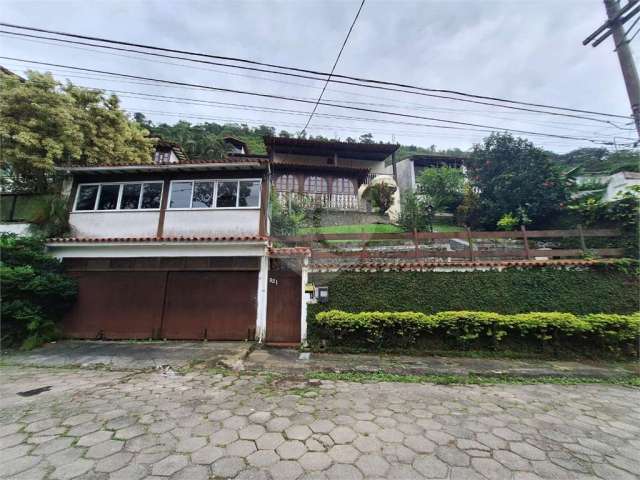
(526, 242)
(470, 240)
(415, 243)
(583, 244)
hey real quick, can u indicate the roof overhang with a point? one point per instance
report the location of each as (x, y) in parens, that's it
(178, 247)
(173, 167)
(356, 151)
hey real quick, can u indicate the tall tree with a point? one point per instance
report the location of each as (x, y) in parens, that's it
(44, 124)
(514, 176)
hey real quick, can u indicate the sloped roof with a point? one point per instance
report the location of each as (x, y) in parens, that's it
(360, 151)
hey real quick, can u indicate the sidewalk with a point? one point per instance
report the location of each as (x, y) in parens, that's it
(242, 356)
(290, 361)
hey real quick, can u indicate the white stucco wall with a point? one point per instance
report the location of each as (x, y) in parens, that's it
(618, 183)
(17, 228)
(212, 222)
(114, 224)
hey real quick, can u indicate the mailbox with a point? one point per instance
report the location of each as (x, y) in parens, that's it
(322, 293)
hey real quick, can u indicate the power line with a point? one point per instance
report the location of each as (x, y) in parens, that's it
(302, 70)
(510, 110)
(297, 75)
(344, 43)
(293, 99)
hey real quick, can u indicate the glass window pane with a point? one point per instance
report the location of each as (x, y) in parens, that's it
(249, 193)
(151, 195)
(108, 197)
(180, 195)
(87, 197)
(202, 195)
(227, 194)
(130, 196)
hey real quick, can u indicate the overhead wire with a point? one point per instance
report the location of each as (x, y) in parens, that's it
(294, 99)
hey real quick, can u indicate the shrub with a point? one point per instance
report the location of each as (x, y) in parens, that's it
(381, 195)
(594, 333)
(35, 293)
(414, 214)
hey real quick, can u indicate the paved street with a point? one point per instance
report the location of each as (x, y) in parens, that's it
(132, 425)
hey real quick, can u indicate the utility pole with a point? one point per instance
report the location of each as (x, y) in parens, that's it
(627, 65)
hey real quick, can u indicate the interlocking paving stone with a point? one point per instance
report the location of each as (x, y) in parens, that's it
(201, 425)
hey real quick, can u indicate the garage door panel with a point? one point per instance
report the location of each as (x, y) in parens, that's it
(116, 305)
(212, 305)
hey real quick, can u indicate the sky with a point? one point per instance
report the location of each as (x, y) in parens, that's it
(526, 50)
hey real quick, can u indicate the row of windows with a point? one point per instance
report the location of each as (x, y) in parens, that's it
(315, 184)
(215, 194)
(119, 196)
(183, 194)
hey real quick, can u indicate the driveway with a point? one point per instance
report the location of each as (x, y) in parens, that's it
(95, 424)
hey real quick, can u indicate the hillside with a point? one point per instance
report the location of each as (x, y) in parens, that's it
(204, 139)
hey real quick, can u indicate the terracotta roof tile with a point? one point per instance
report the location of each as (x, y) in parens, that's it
(289, 252)
(157, 239)
(412, 266)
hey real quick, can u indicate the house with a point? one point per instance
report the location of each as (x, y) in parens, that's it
(409, 169)
(619, 183)
(329, 174)
(178, 249)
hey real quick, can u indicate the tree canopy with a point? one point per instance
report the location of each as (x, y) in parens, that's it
(44, 123)
(515, 177)
(442, 186)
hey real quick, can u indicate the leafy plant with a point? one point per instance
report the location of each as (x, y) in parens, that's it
(381, 195)
(444, 187)
(286, 217)
(415, 214)
(507, 222)
(612, 333)
(469, 212)
(35, 292)
(44, 123)
(511, 174)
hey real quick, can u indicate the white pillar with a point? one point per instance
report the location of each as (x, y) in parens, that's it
(303, 307)
(263, 285)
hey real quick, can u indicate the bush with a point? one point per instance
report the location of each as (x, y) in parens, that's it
(381, 195)
(414, 214)
(35, 293)
(464, 330)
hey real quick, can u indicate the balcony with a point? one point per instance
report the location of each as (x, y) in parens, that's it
(329, 201)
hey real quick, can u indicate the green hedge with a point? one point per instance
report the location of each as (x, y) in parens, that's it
(560, 332)
(602, 290)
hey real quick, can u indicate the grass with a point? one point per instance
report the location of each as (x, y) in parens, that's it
(374, 228)
(362, 228)
(441, 379)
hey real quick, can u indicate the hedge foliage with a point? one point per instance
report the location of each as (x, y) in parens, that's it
(591, 333)
(602, 290)
(35, 292)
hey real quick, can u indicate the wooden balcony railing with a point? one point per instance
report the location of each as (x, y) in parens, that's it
(333, 201)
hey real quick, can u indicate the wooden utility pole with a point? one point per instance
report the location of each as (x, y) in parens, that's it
(629, 71)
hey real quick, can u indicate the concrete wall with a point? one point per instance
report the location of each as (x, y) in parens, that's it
(212, 222)
(17, 228)
(618, 184)
(120, 223)
(406, 175)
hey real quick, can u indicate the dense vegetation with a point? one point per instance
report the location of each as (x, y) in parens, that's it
(599, 160)
(464, 330)
(578, 291)
(35, 292)
(44, 123)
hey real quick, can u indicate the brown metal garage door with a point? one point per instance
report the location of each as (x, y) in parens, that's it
(177, 305)
(117, 305)
(212, 305)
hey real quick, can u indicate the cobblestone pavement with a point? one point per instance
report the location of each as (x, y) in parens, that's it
(110, 425)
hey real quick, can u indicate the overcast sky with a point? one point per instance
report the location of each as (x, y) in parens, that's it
(516, 49)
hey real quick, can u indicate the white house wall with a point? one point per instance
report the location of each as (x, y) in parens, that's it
(17, 228)
(117, 223)
(236, 222)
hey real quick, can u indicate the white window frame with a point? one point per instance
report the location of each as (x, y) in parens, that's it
(120, 191)
(215, 194)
